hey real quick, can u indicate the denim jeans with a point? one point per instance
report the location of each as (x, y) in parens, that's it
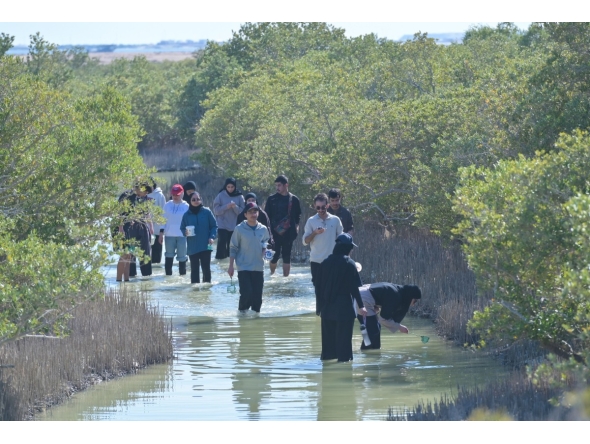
(175, 245)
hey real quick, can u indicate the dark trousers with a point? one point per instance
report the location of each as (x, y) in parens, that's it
(204, 259)
(337, 340)
(251, 285)
(315, 271)
(139, 232)
(156, 251)
(223, 238)
(283, 246)
(374, 330)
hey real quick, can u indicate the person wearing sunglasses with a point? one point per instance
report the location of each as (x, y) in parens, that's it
(199, 239)
(321, 231)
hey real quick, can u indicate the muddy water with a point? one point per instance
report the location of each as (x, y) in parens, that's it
(229, 367)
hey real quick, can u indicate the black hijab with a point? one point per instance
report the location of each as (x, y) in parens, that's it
(232, 181)
(190, 185)
(407, 293)
(195, 208)
(249, 195)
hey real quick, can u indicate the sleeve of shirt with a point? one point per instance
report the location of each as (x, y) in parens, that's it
(307, 231)
(183, 224)
(217, 206)
(268, 210)
(356, 294)
(240, 205)
(296, 210)
(349, 224)
(212, 226)
(339, 228)
(234, 244)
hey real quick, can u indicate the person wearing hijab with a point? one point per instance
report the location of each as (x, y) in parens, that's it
(387, 304)
(339, 283)
(189, 188)
(226, 207)
(262, 216)
(199, 243)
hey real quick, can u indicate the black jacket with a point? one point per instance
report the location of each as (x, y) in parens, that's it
(393, 299)
(277, 207)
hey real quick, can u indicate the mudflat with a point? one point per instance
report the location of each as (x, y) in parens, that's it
(107, 57)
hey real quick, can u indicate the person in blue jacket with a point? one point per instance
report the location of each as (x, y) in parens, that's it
(199, 245)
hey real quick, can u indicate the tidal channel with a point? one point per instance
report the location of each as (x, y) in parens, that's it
(228, 367)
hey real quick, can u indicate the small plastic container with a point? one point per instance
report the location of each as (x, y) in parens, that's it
(365, 334)
(268, 254)
(190, 230)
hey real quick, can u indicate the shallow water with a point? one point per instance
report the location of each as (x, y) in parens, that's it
(229, 367)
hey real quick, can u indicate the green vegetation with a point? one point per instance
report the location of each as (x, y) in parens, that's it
(63, 160)
(482, 143)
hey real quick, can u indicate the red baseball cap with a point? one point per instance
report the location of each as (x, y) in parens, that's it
(177, 190)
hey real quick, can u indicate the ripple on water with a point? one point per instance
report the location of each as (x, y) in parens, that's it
(258, 368)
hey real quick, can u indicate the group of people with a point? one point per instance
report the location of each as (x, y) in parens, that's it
(244, 233)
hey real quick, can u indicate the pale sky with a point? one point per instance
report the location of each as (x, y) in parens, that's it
(134, 22)
(137, 33)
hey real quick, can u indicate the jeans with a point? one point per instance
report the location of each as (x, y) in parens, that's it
(175, 244)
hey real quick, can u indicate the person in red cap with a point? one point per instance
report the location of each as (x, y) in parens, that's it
(175, 241)
(247, 247)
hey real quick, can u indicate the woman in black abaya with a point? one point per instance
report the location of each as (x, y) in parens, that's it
(339, 283)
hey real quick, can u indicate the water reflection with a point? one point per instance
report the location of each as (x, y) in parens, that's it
(246, 368)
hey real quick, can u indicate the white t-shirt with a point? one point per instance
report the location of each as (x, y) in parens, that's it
(323, 244)
(173, 213)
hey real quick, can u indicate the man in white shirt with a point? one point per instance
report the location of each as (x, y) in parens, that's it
(320, 234)
(175, 241)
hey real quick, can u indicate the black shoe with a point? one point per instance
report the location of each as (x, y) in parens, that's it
(168, 266)
(182, 268)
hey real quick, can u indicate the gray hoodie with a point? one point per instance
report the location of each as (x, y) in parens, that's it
(227, 217)
(246, 246)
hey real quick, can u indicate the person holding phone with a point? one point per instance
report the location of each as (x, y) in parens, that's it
(320, 233)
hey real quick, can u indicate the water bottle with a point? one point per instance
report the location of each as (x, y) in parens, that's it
(365, 334)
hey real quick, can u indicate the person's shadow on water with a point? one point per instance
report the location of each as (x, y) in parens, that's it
(250, 380)
(338, 393)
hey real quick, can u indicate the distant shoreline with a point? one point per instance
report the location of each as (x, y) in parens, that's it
(107, 57)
